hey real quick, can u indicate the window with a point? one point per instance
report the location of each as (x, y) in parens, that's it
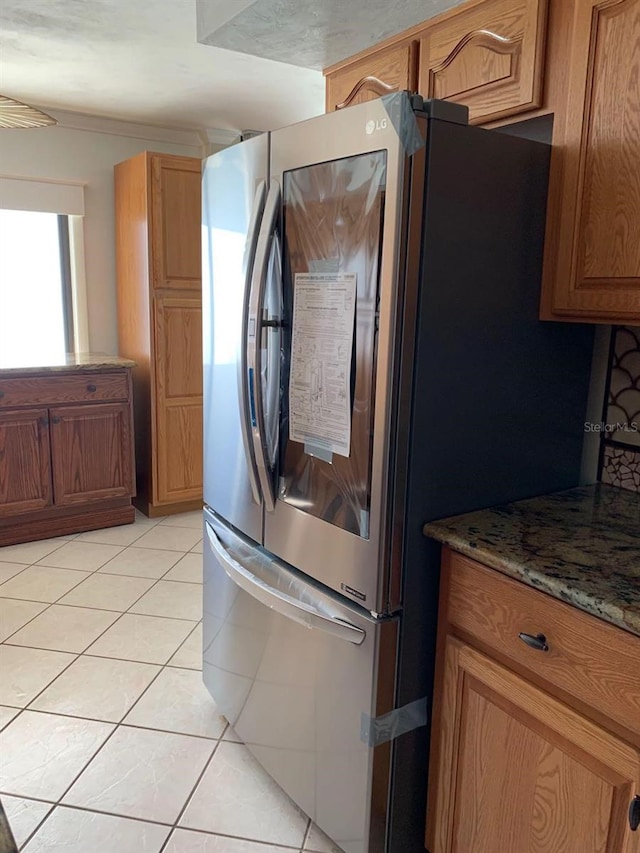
(36, 314)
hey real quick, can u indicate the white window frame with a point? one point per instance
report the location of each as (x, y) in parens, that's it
(60, 198)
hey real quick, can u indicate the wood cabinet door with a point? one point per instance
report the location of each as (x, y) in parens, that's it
(592, 252)
(176, 222)
(516, 770)
(92, 453)
(25, 466)
(379, 73)
(487, 55)
(178, 389)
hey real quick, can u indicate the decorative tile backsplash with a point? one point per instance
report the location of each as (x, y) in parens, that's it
(620, 451)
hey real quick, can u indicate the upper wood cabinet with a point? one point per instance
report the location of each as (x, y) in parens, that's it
(378, 73)
(592, 253)
(487, 55)
(158, 262)
(578, 60)
(175, 228)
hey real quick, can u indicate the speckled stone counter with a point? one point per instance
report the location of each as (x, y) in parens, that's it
(67, 363)
(581, 546)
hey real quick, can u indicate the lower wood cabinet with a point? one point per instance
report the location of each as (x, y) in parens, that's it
(520, 771)
(520, 762)
(25, 461)
(67, 466)
(91, 451)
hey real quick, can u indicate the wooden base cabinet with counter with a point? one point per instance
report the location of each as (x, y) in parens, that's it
(66, 452)
(158, 264)
(536, 723)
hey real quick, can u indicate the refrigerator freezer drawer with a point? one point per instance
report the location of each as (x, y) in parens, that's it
(294, 670)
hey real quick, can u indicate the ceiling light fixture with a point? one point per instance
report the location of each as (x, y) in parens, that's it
(16, 114)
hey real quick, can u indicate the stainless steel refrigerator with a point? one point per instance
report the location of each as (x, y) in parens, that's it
(373, 360)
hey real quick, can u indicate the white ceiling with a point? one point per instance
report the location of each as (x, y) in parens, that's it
(139, 60)
(308, 33)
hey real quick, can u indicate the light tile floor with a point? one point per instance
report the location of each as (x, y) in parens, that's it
(109, 741)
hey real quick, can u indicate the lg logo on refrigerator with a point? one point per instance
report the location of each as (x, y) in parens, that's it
(371, 126)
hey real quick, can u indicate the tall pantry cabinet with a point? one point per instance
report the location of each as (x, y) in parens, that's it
(158, 264)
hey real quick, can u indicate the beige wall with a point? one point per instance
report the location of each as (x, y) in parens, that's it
(86, 156)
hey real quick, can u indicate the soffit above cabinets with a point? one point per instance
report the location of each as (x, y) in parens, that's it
(308, 33)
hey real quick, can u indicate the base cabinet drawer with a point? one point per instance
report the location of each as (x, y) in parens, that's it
(596, 663)
(54, 390)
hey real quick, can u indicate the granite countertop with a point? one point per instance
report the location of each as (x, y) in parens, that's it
(67, 363)
(581, 546)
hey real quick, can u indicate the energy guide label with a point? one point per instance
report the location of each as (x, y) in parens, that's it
(324, 307)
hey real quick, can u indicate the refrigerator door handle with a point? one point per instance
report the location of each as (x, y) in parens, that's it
(254, 343)
(243, 381)
(282, 603)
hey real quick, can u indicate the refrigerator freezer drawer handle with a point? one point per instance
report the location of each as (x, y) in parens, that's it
(282, 603)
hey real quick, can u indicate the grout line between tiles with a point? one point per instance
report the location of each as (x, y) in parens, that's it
(192, 792)
(305, 837)
(57, 548)
(39, 824)
(19, 572)
(168, 663)
(268, 845)
(60, 805)
(44, 609)
(88, 653)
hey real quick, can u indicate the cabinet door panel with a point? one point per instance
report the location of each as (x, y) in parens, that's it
(488, 56)
(384, 71)
(180, 452)
(91, 452)
(178, 347)
(25, 466)
(176, 215)
(593, 259)
(178, 399)
(518, 770)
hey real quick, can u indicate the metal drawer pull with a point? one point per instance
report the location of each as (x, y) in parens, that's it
(91, 387)
(1, 394)
(539, 642)
(634, 813)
